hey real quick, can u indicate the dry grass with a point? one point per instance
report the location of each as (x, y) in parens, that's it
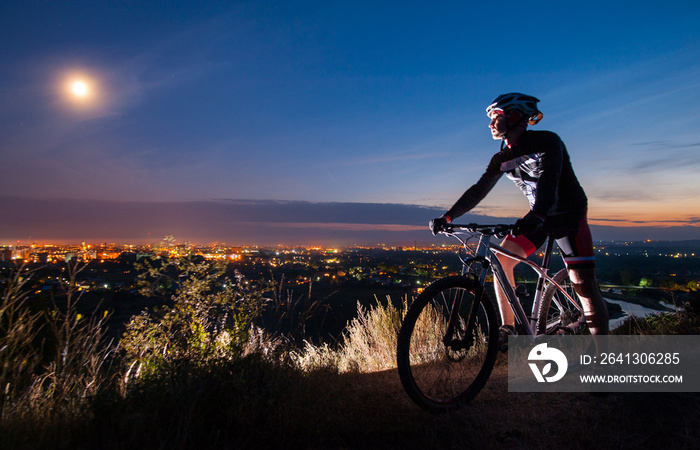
(54, 362)
(368, 343)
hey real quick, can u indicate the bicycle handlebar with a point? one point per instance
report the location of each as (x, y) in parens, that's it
(499, 230)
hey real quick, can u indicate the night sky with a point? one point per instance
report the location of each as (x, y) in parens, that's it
(355, 119)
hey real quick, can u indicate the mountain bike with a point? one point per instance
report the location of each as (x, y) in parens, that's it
(448, 342)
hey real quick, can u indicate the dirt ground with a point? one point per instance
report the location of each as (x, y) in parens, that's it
(497, 418)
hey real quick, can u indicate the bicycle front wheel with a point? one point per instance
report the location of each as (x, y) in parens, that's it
(558, 314)
(448, 344)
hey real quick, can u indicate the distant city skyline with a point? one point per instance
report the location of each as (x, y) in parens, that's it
(310, 104)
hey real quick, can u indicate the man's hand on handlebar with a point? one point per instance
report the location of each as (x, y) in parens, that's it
(438, 225)
(528, 223)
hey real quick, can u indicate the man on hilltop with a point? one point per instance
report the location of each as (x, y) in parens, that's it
(539, 164)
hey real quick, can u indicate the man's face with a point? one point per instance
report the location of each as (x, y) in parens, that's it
(498, 125)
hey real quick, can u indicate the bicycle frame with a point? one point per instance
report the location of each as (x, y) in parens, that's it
(487, 254)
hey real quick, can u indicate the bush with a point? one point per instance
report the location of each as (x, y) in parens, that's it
(210, 317)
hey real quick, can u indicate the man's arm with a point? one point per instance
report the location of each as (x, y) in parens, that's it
(548, 183)
(476, 193)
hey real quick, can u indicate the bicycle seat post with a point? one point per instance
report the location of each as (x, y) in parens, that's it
(548, 252)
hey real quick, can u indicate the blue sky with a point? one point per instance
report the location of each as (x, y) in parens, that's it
(346, 102)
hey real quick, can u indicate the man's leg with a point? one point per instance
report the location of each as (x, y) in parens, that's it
(594, 308)
(507, 316)
(577, 247)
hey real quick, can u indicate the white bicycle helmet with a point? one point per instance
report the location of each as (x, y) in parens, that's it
(526, 104)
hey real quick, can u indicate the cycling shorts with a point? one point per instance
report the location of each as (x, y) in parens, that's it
(573, 236)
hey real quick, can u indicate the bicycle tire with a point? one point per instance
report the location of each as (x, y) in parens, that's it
(557, 313)
(436, 376)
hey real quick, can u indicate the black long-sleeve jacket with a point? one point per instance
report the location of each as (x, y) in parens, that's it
(540, 166)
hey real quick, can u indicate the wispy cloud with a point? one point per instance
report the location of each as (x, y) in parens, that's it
(668, 155)
(692, 221)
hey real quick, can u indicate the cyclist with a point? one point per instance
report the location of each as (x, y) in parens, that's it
(539, 164)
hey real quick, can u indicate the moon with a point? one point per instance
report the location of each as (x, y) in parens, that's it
(82, 91)
(79, 88)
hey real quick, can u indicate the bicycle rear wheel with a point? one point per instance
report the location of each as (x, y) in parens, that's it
(557, 312)
(443, 364)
